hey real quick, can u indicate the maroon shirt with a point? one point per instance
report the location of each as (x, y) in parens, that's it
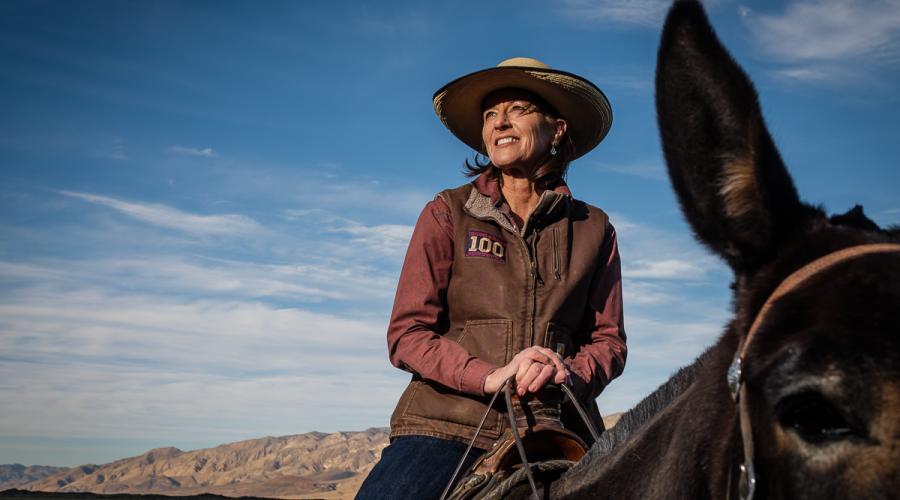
(414, 344)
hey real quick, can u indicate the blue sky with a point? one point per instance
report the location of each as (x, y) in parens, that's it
(204, 205)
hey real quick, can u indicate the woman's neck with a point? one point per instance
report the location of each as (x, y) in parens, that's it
(522, 195)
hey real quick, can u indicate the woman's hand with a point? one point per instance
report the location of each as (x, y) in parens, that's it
(533, 367)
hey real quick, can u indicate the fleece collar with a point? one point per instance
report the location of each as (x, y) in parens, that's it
(486, 202)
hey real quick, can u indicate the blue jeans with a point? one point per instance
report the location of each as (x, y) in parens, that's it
(415, 467)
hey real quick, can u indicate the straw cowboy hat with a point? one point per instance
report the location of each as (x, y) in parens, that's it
(579, 102)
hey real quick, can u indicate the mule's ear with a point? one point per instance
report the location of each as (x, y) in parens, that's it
(727, 173)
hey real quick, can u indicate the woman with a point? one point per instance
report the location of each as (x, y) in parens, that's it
(507, 276)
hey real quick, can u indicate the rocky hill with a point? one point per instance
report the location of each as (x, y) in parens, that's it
(313, 465)
(15, 475)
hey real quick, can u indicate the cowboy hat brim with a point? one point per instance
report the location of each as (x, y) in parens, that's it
(578, 101)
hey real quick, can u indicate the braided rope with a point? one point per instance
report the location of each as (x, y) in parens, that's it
(520, 476)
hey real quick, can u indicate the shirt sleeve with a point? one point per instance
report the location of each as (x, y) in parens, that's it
(603, 357)
(419, 317)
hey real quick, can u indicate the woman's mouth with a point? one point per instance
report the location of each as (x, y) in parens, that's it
(506, 140)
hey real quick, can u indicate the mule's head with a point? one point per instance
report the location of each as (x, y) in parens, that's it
(823, 371)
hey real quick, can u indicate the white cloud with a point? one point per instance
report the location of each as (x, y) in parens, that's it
(191, 341)
(376, 22)
(663, 269)
(829, 30)
(644, 293)
(129, 365)
(676, 304)
(172, 218)
(114, 151)
(385, 239)
(102, 324)
(647, 13)
(207, 152)
(889, 217)
(656, 350)
(170, 275)
(813, 74)
(648, 170)
(829, 40)
(298, 213)
(640, 83)
(325, 190)
(201, 343)
(653, 253)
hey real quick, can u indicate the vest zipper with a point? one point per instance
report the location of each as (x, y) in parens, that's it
(536, 275)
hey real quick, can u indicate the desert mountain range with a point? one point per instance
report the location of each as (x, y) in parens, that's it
(312, 465)
(16, 475)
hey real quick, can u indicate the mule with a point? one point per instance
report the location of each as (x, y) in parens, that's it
(818, 379)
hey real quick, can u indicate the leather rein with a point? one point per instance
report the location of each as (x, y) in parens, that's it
(506, 389)
(747, 484)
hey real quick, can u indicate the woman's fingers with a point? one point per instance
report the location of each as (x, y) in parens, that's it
(533, 368)
(544, 376)
(561, 377)
(536, 367)
(524, 365)
(555, 358)
(545, 356)
(529, 375)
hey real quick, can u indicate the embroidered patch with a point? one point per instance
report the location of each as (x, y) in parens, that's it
(481, 244)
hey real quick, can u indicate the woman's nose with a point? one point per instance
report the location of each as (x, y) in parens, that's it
(501, 121)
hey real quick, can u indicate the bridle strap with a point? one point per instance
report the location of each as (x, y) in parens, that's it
(581, 411)
(506, 389)
(801, 276)
(462, 460)
(747, 483)
(507, 393)
(747, 477)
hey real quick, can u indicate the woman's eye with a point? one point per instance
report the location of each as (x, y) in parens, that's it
(489, 114)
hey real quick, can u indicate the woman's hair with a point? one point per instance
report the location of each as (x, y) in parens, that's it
(547, 175)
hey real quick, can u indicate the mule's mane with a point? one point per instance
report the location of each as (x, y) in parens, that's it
(649, 406)
(857, 219)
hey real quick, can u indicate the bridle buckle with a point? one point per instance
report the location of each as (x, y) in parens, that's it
(747, 484)
(734, 376)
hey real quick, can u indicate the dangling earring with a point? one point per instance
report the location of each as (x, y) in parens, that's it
(553, 150)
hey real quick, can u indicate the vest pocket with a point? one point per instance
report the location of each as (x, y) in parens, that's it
(556, 270)
(559, 339)
(489, 340)
(436, 404)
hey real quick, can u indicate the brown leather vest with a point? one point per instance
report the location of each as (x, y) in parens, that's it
(509, 291)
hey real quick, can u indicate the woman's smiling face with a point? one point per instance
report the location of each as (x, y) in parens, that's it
(517, 133)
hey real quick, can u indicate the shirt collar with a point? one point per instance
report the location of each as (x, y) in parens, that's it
(490, 187)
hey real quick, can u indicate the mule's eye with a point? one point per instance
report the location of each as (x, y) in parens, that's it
(815, 419)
